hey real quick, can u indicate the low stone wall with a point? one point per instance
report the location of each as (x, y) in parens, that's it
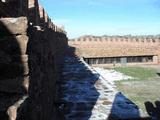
(31, 58)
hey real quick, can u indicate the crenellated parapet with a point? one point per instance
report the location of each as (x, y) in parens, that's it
(32, 48)
(27, 8)
(131, 39)
(117, 46)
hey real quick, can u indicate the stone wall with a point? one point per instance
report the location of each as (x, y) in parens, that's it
(31, 57)
(92, 47)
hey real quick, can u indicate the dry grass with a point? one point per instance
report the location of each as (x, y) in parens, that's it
(146, 86)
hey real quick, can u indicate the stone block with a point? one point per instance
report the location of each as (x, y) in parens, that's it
(41, 13)
(13, 66)
(22, 41)
(13, 26)
(12, 70)
(16, 85)
(46, 17)
(36, 45)
(14, 44)
(13, 111)
(34, 16)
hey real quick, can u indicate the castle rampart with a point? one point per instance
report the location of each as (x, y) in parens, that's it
(31, 56)
(119, 47)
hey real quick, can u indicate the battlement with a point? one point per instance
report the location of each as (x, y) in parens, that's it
(30, 9)
(107, 47)
(32, 48)
(132, 39)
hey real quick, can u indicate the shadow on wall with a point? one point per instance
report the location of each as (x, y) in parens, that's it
(11, 70)
(45, 58)
(78, 93)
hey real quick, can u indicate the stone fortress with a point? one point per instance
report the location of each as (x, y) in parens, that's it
(118, 50)
(38, 71)
(31, 56)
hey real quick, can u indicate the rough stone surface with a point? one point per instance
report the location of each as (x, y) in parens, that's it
(13, 26)
(31, 58)
(17, 44)
(13, 85)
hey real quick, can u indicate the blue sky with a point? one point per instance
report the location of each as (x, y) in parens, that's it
(105, 17)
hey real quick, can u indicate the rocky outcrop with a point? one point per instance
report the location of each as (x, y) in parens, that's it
(31, 57)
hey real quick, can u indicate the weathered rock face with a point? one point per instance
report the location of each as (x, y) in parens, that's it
(31, 57)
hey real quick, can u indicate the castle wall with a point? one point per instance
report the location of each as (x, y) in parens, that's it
(97, 47)
(31, 58)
